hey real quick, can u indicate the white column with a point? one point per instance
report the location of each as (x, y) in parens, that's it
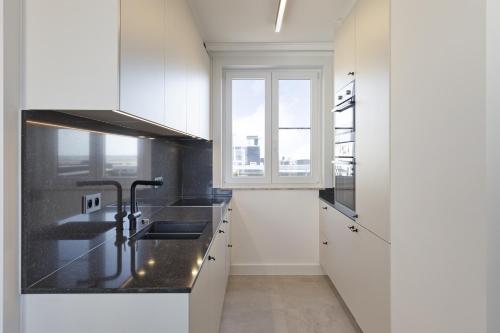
(438, 163)
(493, 158)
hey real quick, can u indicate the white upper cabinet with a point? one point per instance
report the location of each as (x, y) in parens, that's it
(71, 54)
(345, 52)
(176, 64)
(142, 66)
(145, 58)
(373, 116)
(188, 73)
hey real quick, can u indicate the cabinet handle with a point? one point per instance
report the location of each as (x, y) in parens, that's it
(225, 221)
(230, 209)
(211, 258)
(229, 245)
(350, 73)
(222, 232)
(325, 243)
(353, 228)
(325, 208)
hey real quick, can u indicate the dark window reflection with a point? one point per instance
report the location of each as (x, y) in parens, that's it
(121, 155)
(73, 152)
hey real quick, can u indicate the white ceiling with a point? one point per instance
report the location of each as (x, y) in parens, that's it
(245, 21)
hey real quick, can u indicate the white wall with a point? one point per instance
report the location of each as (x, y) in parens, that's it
(438, 220)
(493, 152)
(11, 116)
(275, 232)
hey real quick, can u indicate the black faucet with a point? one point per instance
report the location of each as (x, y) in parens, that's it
(120, 212)
(134, 212)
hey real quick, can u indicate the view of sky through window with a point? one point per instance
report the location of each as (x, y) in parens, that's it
(248, 127)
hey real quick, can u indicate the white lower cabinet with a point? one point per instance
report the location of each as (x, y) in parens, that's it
(358, 263)
(197, 312)
(207, 298)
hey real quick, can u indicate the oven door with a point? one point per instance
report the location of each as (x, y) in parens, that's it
(345, 181)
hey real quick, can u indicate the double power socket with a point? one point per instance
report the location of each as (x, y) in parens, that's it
(91, 203)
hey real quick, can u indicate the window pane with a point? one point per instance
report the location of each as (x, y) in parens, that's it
(294, 128)
(248, 127)
(294, 152)
(294, 103)
(121, 156)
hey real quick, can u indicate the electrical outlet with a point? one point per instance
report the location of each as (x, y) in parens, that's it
(91, 203)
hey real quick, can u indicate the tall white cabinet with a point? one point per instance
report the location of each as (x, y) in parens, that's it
(355, 253)
(142, 58)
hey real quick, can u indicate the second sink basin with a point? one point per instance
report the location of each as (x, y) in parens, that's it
(172, 230)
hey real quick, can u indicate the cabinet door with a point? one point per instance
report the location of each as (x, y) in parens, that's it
(176, 75)
(70, 54)
(218, 274)
(228, 244)
(340, 253)
(360, 264)
(372, 116)
(142, 60)
(201, 309)
(197, 117)
(205, 101)
(371, 273)
(324, 258)
(345, 52)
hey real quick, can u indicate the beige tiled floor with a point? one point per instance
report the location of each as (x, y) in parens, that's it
(283, 304)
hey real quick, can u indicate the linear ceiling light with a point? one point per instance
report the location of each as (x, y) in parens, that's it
(281, 14)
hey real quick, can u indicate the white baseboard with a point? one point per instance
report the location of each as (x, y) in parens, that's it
(276, 269)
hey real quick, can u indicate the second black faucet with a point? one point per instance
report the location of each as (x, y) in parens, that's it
(134, 212)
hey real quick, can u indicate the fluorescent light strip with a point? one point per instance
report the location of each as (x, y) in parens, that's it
(155, 124)
(281, 14)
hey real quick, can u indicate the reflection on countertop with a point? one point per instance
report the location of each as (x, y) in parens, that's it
(114, 263)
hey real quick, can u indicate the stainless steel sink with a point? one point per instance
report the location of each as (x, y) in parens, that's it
(172, 230)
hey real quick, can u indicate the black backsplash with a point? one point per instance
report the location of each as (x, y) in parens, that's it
(58, 150)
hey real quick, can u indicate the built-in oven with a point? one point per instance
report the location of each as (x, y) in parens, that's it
(344, 163)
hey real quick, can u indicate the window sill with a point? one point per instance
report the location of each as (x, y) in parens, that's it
(272, 187)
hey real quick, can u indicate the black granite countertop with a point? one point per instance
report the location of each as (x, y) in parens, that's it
(328, 196)
(118, 264)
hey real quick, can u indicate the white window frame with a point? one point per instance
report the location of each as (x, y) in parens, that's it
(271, 178)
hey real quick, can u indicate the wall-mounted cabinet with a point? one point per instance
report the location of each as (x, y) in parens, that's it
(141, 58)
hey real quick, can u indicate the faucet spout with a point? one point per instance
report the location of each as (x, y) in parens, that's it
(134, 211)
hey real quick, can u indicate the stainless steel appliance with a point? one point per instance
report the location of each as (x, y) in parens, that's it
(344, 163)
